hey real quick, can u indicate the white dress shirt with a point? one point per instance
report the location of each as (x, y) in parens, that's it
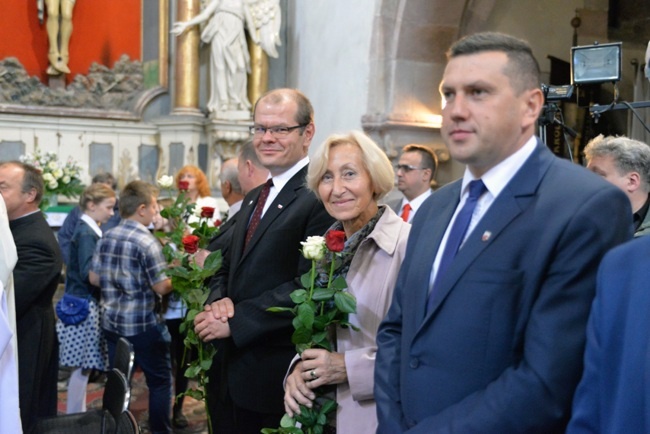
(415, 204)
(495, 181)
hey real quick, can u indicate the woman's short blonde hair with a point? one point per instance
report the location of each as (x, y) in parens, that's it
(373, 157)
(202, 184)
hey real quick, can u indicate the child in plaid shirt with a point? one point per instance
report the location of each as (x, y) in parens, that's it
(128, 266)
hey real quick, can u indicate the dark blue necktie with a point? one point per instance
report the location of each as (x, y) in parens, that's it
(457, 233)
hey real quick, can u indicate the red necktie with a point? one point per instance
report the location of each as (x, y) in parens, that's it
(406, 211)
(257, 214)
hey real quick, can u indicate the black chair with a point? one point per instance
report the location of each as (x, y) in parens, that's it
(114, 402)
(126, 424)
(124, 358)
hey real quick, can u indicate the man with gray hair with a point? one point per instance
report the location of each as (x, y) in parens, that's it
(251, 173)
(626, 164)
(233, 195)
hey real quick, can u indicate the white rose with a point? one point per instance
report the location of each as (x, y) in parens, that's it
(52, 165)
(66, 179)
(58, 173)
(165, 181)
(313, 248)
(52, 185)
(47, 177)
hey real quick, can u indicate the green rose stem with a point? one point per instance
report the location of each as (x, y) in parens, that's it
(329, 282)
(188, 282)
(203, 384)
(311, 330)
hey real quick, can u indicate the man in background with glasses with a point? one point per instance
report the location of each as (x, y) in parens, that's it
(415, 175)
(261, 268)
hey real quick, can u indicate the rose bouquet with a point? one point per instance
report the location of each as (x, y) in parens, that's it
(322, 303)
(188, 277)
(58, 178)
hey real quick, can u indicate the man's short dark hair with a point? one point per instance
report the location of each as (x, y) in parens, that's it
(429, 158)
(32, 179)
(105, 178)
(136, 193)
(522, 69)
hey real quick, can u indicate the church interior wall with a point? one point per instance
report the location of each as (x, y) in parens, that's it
(328, 46)
(368, 64)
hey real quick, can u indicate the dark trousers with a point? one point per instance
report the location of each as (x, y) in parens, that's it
(177, 355)
(228, 418)
(151, 350)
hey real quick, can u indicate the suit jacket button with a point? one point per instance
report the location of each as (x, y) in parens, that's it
(414, 363)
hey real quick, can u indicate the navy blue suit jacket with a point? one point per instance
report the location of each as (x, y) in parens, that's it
(501, 349)
(614, 393)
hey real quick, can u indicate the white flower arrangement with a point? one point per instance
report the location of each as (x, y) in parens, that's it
(58, 178)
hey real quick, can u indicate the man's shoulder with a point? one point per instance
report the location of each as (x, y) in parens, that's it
(568, 181)
(635, 250)
(33, 225)
(32, 233)
(395, 204)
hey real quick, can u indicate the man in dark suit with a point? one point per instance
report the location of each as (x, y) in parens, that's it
(487, 325)
(233, 195)
(416, 172)
(238, 176)
(262, 268)
(614, 393)
(36, 277)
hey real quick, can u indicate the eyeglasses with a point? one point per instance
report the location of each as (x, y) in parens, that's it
(406, 168)
(276, 131)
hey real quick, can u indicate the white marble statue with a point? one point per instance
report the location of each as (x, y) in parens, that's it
(230, 60)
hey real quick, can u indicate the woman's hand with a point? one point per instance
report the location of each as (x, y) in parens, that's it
(320, 367)
(296, 392)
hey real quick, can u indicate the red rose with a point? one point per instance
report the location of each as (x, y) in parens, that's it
(190, 243)
(217, 223)
(183, 185)
(207, 212)
(335, 240)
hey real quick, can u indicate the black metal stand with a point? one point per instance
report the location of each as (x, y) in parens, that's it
(597, 110)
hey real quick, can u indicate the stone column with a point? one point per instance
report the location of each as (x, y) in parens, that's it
(186, 64)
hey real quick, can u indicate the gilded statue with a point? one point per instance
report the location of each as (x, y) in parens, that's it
(59, 30)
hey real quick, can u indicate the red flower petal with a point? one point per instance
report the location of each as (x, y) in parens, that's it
(335, 240)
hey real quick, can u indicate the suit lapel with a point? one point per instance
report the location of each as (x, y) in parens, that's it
(278, 206)
(427, 249)
(224, 227)
(239, 234)
(231, 221)
(511, 202)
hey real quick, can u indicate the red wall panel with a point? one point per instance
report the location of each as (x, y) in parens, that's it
(103, 31)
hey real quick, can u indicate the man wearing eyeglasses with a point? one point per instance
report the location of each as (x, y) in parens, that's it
(416, 168)
(261, 269)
